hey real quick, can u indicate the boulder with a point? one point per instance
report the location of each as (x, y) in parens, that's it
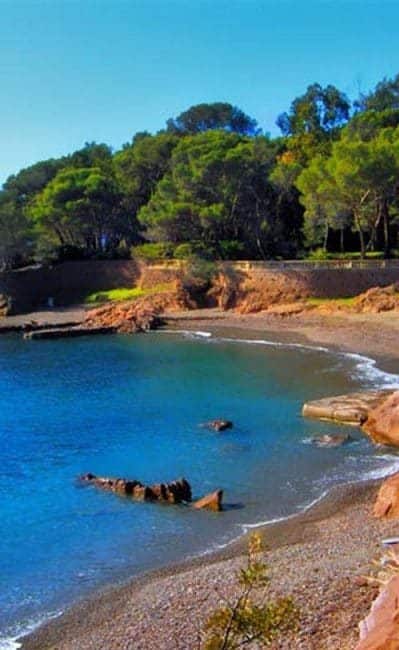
(387, 502)
(212, 501)
(328, 440)
(380, 629)
(352, 409)
(382, 424)
(218, 425)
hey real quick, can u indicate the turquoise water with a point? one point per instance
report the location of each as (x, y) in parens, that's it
(131, 406)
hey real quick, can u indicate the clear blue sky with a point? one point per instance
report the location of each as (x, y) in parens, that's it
(81, 70)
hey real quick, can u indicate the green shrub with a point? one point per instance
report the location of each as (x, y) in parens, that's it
(184, 251)
(318, 254)
(231, 249)
(240, 622)
(152, 252)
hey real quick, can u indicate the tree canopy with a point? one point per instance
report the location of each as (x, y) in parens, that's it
(208, 117)
(211, 184)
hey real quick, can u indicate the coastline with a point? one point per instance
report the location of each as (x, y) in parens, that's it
(318, 556)
(92, 623)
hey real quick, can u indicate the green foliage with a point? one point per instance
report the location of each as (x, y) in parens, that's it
(218, 190)
(80, 206)
(346, 302)
(384, 96)
(153, 251)
(211, 185)
(209, 117)
(319, 110)
(244, 621)
(140, 166)
(125, 293)
(184, 251)
(318, 254)
(16, 238)
(114, 295)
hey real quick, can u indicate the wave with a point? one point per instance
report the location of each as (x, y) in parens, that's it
(365, 367)
(12, 642)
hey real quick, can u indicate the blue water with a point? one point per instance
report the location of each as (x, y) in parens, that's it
(131, 406)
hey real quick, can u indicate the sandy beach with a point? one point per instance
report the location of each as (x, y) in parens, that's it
(318, 557)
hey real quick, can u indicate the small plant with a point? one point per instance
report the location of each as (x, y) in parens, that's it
(243, 621)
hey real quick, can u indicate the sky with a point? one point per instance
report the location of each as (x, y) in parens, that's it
(76, 71)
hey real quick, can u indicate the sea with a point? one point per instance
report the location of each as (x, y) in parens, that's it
(132, 406)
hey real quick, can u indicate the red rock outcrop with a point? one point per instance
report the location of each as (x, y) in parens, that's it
(378, 299)
(380, 630)
(126, 317)
(137, 315)
(382, 424)
(353, 408)
(175, 492)
(387, 502)
(211, 501)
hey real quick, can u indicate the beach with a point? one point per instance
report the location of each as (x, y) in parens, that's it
(318, 557)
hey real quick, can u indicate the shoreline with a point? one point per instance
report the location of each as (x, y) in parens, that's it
(295, 531)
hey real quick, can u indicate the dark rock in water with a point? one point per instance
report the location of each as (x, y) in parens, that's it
(218, 425)
(67, 332)
(328, 440)
(175, 492)
(211, 501)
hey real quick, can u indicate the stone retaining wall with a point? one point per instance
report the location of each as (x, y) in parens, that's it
(70, 282)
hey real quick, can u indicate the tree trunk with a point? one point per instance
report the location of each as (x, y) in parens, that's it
(341, 240)
(385, 221)
(326, 238)
(362, 244)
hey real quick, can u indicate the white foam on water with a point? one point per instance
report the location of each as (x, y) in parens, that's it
(187, 333)
(365, 367)
(12, 643)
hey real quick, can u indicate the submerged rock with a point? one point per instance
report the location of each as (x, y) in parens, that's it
(211, 501)
(387, 502)
(328, 440)
(218, 425)
(382, 424)
(352, 409)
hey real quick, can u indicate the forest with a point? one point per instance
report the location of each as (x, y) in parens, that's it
(213, 184)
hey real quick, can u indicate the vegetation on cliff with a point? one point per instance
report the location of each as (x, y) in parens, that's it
(213, 185)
